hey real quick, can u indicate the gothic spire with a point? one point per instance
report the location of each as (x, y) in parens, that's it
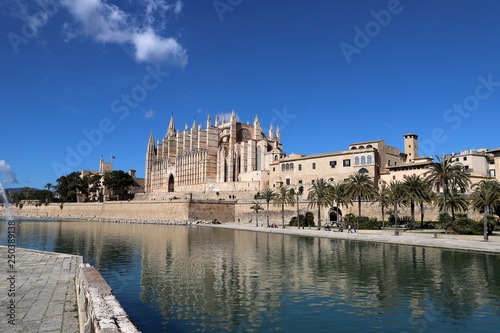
(171, 126)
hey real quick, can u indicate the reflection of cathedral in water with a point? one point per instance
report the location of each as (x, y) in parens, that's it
(209, 279)
(245, 278)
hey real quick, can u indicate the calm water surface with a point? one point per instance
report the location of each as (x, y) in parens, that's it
(202, 279)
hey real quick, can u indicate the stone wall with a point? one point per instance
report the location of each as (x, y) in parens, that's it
(185, 207)
(99, 310)
(211, 209)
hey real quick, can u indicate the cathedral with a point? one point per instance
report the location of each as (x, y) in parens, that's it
(225, 156)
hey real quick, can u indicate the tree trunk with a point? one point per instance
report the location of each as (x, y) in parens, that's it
(383, 217)
(412, 208)
(421, 215)
(359, 213)
(268, 214)
(396, 231)
(486, 212)
(283, 215)
(298, 216)
(319, 217)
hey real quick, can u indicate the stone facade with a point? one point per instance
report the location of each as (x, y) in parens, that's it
(225, 156)
(231, 157)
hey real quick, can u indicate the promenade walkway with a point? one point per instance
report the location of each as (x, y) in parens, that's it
(42, 286)
(416, 238)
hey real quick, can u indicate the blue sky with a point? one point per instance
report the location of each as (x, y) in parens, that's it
(85, 78)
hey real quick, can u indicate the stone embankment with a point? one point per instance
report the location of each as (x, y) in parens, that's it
(112, 220)
(99, 310)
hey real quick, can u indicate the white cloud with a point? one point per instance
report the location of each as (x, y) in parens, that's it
(148, 113)
(34, 13)
(6, 173)
(108, 23)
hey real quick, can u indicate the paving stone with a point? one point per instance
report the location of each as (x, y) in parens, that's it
(45, 292)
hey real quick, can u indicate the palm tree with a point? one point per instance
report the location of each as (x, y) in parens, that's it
(455, 200)
(256, 207)
(297, 195)
(446, 174)
(360, 186)
(396, 196)
(269, 196)
(383, 200)
(486, 197)
(338, 196)
(48, 186)
(284, 197)
(427, 198)
(319, 196)
(415, 191)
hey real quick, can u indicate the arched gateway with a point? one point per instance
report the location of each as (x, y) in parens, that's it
(335, 214)
(171, 183)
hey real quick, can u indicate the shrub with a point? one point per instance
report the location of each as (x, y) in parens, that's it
(310, 219)
(363, 222)
(293, 220)
(402, 219)
(215, 221)
(445, 220)
(466, 226)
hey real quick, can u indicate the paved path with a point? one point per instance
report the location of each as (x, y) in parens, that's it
(456, 242)
(45, 292)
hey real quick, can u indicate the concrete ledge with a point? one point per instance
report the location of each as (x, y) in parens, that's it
(99, 310)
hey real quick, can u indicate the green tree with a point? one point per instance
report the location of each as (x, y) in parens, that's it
(455, 200)
(360, 186)
(256, 208)
(446, 174)
(415, 191)
(382, 198)
(284, 197)
(48, 186)
(426, 199)
(118, 181)
(396, 195)
(68, 186)
(297, 193)
(94, 187)
(318, 196)
(268, 195)
(486, 197)
(338, 196)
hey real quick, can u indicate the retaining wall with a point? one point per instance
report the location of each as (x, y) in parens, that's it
(99, 310)
(186, 209)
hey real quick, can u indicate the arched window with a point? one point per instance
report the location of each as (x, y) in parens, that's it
(287, 167)
(369, 159)
(283, 167)
(291, 166)
(356, 160)
(362, 170)
(331, 180)
(363, 160)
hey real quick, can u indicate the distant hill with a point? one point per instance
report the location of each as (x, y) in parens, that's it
(20, 189)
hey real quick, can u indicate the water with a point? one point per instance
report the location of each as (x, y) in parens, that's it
(202, 279)
(8, 214)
